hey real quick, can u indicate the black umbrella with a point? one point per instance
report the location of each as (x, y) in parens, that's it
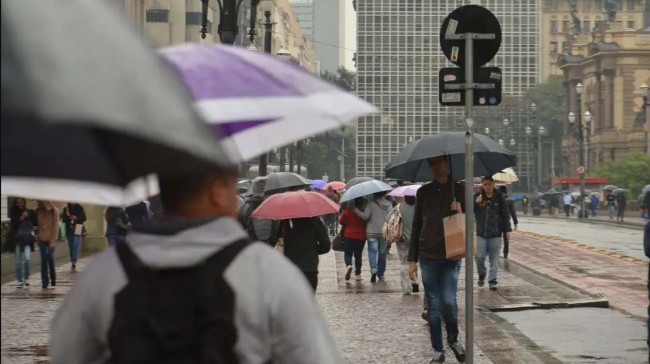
(356, 181)
(411, 163)
(86, 112)
(551, 194)
(285, 181)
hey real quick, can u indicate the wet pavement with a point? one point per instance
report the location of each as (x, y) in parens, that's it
(624, 240)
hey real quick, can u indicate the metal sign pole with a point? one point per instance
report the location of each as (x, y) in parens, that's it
(469, 195)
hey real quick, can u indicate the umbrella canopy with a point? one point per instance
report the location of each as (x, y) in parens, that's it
(244, 102)
(285, 180)
(402, 191)
(78, 124)
(620, 191)
(365, 189)
(411, 163)
(551, 194)
(356, 181)
(318, 184)
(336, 185)
(609, 188)
(646, 188)
(507, 175)
(293, 205)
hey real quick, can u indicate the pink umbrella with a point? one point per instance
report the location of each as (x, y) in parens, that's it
(335, 185)
(401, 191)
(293, 205)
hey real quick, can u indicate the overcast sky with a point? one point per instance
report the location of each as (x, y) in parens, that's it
(350, 34)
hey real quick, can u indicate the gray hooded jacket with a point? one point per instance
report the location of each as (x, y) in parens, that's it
(375, 216)
(276, 316)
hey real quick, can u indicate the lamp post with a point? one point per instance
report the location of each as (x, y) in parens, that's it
(529, 131)
(268, 34)
(644, 93)
(587, 118)
(575, 119)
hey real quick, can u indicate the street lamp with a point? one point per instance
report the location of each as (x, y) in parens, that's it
(487, 131)
(533, 108)
(644, 93)
(529, 130)
(512, 142)
(283, 54)
(506, 122)
(574, 119)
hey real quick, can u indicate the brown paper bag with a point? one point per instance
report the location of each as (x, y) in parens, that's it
(454, 227)
(78, 229)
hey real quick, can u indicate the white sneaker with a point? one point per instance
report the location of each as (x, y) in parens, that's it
(348, 273)
(357, 277)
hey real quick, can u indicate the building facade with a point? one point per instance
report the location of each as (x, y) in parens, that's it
(398, 59)
(304, 10)
(329, 34)
(558, 25)
(611, 69)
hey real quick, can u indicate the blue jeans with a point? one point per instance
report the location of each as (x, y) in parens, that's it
(354, 248)
(488, 247)
(115, 240)
(73, 243)
(47, 263)
(440, 279)
(377, 255)
(24, 253)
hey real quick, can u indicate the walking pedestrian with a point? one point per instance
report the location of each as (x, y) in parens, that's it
(621, 204)
(353, 232)
(210, 291)
(407, 212)
(139, 213)
(646, 202)
(524, 204)
(513, 214)
(595, 202)
(375, 215)
(304, 240)
(554, 206)
(492, 220)
(21, 237)
(331, 219)
(567, 199)
(74, 217)
(47, 231)
(611, 205)
(265, 230)
(117, 226)
(434, 201)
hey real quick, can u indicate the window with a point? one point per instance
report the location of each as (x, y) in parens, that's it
(157, 16)
(554, 26)
(586, 26)
(630, 4)
(193, 18)
(630, 24)
(565, 47)
(553, 47)
(565, 26)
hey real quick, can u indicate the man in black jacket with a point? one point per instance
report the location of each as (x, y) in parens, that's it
(513, 213)
(434, 201)
(492, 220)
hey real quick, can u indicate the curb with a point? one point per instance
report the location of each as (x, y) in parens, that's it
(585, 246)
(596, 302)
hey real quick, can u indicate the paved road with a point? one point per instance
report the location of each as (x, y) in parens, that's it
(624, 240)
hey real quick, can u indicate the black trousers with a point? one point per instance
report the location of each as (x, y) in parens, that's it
(312, 278)
(506, 244)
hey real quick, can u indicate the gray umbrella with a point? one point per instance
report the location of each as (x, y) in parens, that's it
(356, 181)
(411, 162)
(88, 108)
(365, 189)
(620, 191)
(284, 181)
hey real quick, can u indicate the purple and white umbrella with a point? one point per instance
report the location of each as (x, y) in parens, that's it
(255, 102)
(401, 191)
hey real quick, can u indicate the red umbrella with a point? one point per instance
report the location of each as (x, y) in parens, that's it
(293, 205)
(335, 185)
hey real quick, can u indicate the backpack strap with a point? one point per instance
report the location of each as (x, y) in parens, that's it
(217, 263)
(136, 273)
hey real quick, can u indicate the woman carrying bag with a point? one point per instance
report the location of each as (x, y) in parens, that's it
(21, 238)
(304, 240)
(353, 234)
(74, 217)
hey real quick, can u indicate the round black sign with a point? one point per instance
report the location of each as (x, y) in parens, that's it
(470, 19)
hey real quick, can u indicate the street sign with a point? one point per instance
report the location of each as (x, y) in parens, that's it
(470, 19)
(487, 91)
(581, 169)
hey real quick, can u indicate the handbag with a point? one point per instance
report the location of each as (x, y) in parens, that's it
(454, 228)
(337, 243)
(78, 229)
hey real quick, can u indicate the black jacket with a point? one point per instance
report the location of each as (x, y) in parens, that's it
(304, 240)
(76, 210)
(432, 204)
(512, 210)
(14, 225)
(493, 218)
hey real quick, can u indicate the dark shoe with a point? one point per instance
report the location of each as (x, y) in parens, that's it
(425, 315)
(505, 256)
(373, 278)
(458, 351)
(74, 266)
(348, 273)
(493, 286)
(415, 288)
(53, 283)
(481, 280)
(438, 357)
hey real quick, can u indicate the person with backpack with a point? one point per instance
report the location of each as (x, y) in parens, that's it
(492, 220)
(401, 219)
(265, 230)
(47, 231)
(353, 232)
(74, 217)
(117, 225)
(375, 215)
(304, 240)
(21, 237)
(190, 287)
(512, 213)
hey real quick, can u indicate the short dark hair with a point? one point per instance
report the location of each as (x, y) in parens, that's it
(487, 178)
(177, 188)
(410, 200)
